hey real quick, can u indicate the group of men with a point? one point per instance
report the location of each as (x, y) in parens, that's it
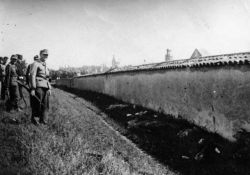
(36, 80)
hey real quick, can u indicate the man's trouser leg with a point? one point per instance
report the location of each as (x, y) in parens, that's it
(44, 106)
(14, 97)
(3, 92)
(35, 105)
(1, 89)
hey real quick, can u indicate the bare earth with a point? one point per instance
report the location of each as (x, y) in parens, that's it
(76, 141)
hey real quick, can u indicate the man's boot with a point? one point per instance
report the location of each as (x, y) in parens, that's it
(43, 117)
(33, 121)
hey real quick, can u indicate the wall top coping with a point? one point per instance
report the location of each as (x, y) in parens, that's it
(206, 61)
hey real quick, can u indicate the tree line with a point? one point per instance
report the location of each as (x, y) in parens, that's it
(69, 72)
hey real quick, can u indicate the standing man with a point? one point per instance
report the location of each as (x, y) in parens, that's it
(40, 88)
(27, 75)
(21, 66)
(11, 84)
(33, 100)
(2, 76)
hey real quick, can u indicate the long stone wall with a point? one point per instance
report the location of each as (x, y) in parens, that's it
(216, 98)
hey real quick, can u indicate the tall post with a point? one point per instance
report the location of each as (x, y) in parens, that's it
(168, 55)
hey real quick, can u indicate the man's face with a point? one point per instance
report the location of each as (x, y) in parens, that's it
(18, 61)
(13, 61)
(44, 57)
(5, 61)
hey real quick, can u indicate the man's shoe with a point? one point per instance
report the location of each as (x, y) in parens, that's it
(12, 111)
(43, 122)
(19, 110)
(33, 121)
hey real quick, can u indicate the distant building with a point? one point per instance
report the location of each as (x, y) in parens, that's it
(103, 68)
(114, 62)
(168, 56)
(196, 54)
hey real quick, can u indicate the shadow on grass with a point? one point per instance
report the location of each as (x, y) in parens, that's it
(182, 146)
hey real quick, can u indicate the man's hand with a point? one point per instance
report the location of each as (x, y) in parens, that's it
(49, 92)
(7, 92)
(32, 93)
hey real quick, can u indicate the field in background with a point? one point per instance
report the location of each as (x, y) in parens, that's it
(76, 141)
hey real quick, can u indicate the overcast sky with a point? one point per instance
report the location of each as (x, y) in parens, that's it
(90, 32)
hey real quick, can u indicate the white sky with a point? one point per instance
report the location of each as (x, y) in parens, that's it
(90, 32)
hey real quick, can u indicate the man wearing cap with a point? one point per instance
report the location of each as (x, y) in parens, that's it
(11, 84)
(36, 58)
(32, 99)
(21, 66)
(2, 76)
(40, 88)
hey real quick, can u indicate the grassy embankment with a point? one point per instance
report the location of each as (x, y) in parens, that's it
(75, 141)
(178, 144)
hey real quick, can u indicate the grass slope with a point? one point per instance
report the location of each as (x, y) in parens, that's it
(75, 141)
